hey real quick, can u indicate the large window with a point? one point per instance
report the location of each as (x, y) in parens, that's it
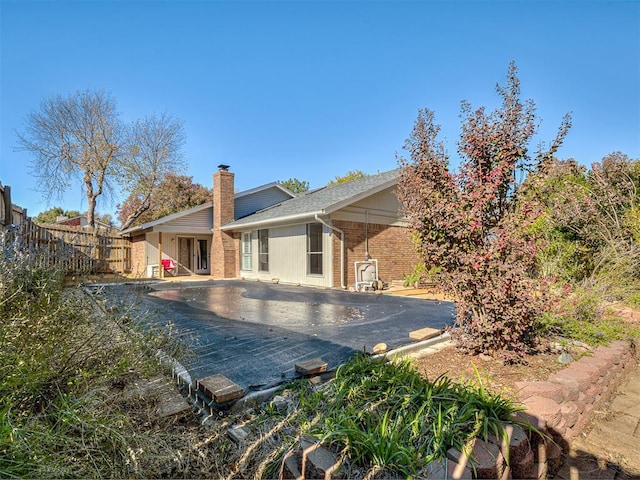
(245, 260)
(314, 248)
(263, 250)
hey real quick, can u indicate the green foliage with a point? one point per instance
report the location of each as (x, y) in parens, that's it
(416, 276)
(579, 314)
(294, 185)
(590, 227)
(589, 235)
(420, 274)
(350, 176)
(384, 415)
(634, 298)
(51, 215)
(70, 438)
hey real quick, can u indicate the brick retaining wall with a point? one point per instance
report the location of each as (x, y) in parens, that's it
(559, 407)
(562, 405)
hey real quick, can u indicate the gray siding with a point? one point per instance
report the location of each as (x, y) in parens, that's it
(288, 257)
(248, 204)
(199, 222)
(385, 200)
(383, 208)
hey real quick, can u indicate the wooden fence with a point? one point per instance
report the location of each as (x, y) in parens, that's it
(74, 249)
(10, 214)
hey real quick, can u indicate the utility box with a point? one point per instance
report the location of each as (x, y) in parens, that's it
(153, 271)
(366, 275)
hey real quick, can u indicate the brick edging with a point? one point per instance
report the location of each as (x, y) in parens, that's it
(562, 405)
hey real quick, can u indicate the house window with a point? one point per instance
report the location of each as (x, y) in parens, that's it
(314, 248)
(263, 250)
(246, 252)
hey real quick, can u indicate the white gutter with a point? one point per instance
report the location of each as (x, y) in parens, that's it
(271, 221)
(341, 248)
(130, 230)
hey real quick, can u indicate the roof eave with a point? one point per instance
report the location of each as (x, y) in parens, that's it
(261, 188)
(273, 221)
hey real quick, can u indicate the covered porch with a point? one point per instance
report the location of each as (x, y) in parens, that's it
(170, 254)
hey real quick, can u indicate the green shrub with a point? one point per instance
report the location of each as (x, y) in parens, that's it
(580, 314)
(634, 299)
(421, 274)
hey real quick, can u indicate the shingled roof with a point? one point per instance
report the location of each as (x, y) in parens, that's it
(322, 201)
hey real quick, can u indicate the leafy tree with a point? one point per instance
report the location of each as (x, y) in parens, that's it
(473, 225)
(591, 220)
(561, 254)
(51, 215)
(155, 144)
(348, 177)
(79, 136)
(295, 186)
(174, 194)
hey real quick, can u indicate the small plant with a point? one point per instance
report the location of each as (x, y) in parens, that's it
(416, 276)
(634, 300)
(386, 417)
(420, 274)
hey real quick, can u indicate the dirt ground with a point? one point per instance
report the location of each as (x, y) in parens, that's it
(492, 372)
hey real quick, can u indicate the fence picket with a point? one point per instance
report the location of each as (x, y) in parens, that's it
(73, 249)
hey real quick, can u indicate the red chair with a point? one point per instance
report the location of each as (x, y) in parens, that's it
(169, 266)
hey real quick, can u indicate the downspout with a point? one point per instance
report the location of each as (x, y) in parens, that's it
(366, 236)
(318, 219)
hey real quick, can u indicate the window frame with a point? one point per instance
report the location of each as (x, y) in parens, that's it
(318, 264)
(246, 256)
(263, 250)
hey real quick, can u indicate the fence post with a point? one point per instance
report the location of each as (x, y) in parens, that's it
(8, 206)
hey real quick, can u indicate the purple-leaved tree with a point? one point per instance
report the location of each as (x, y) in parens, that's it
(473, 223)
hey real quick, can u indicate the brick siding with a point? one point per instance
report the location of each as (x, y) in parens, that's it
(224, 254)
(138, 258)
(391, 246)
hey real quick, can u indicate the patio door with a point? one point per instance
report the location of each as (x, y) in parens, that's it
(185, 255)
(202, 256)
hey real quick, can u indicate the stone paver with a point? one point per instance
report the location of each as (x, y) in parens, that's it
(609, 448)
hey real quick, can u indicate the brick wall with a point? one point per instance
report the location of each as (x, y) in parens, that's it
(391, 246)
(138, 260)
(72, 222)
(562, 405)
(223, 246)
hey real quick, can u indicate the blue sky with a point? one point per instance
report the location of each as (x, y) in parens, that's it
(314, 89)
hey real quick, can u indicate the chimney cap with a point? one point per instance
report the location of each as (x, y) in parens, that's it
(224, 168)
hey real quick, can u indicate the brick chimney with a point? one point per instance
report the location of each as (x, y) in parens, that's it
(224, 254)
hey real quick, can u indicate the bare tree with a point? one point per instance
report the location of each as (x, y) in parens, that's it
(76, 137)
(155, 144)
